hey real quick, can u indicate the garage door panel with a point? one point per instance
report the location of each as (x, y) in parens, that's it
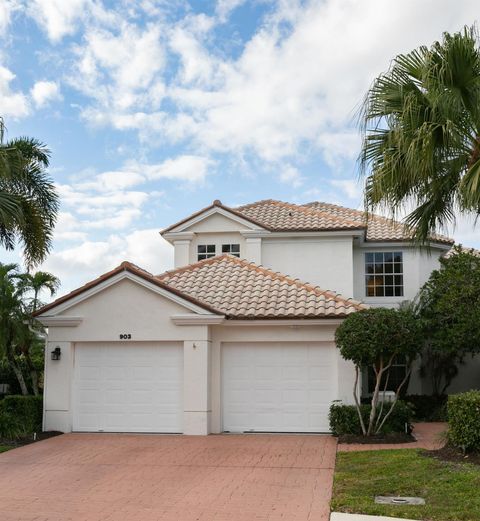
(128, 387)
(283, 387)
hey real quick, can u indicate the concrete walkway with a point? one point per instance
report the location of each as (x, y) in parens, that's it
(338, 516)
(429, 436)
(108, 477)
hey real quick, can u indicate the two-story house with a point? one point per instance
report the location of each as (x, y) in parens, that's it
(239, 336)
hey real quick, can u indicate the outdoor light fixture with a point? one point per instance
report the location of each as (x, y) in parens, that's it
(56, 353)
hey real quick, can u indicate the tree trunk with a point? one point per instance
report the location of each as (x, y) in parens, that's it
(18, 373)
(357, 401)
(33, 373)
(376, 392)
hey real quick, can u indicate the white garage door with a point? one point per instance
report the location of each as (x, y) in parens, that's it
(128, 387)
(282, 387)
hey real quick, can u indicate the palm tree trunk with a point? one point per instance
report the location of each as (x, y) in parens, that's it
(33, 373)
(18, 372)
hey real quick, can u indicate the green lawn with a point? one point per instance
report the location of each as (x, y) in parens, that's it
(451, 490)
(4, 448)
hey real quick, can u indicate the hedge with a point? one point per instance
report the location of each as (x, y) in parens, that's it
(464, 420)
(428, 408)
(20, 416)
(344, 418)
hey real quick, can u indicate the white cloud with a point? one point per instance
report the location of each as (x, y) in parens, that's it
(43, 92)
(58, 18)
(112, 181)
(13, 104)
(7, 7)
(225, 7)
(350, 187)
(193, 169)
(92, 258)
(296, 86)
(291, 175)
(120, 72)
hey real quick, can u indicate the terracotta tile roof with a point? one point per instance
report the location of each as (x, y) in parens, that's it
(243, 290)
(379, 228)
(280, 216)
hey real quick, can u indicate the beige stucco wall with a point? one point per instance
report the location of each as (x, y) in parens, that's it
(322, 260)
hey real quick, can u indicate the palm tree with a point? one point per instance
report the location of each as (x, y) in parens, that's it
(28, 200)
(36, 283)
(33, 284)
(421, 127)
(12, 320)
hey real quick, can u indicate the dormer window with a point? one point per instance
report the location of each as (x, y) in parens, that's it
(233, 249)
(205, 251)
(384, 274)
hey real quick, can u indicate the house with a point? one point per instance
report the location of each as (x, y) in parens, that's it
(239, 336)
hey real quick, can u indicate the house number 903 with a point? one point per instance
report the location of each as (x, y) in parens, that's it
(125, 336)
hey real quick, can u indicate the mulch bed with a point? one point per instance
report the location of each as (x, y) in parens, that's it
(454, 455)
(29, 439)
(379, 439)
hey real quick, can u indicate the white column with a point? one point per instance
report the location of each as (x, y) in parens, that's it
(181, 252)
(253, 246)
(196, 390)
(57, 398)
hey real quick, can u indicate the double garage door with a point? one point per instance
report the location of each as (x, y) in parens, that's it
(266, 387)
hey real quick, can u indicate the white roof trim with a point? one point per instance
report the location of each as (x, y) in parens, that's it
(211, 211)
(117, 278)
(195, 320)
(61, 321)
(305, 322)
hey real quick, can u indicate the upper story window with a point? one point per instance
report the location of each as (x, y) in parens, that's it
(205, 251)
(233, 249)
(384, 274)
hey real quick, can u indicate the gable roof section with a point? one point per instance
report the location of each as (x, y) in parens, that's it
(127, 267)
(216, 204)
(242, 290)
(278, 216)
(379, 228)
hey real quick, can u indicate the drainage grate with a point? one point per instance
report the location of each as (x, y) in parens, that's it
(397, 500)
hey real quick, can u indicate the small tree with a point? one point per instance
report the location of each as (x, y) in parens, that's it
(449, 308)
(374, 338)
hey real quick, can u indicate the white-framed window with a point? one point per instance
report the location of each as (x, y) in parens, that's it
(205, 251)
(233, 249)
(384, 274)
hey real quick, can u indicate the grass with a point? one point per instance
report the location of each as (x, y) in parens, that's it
(4, 448)
(451, 490)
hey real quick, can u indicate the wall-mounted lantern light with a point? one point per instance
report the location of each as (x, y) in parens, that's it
(56, 353)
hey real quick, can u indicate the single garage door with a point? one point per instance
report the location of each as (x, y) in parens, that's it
(277, 387)
(128, 387)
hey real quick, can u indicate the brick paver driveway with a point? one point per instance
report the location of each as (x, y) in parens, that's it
(109, 477)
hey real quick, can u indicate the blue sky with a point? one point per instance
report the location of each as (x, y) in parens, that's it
(154, 108)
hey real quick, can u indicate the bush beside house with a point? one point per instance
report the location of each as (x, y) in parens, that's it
(344, 419)
(20, 416)
(464, 421)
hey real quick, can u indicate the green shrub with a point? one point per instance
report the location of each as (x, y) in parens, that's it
(464, 420)
(344, 418)
(21, 415)
(427, 407)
